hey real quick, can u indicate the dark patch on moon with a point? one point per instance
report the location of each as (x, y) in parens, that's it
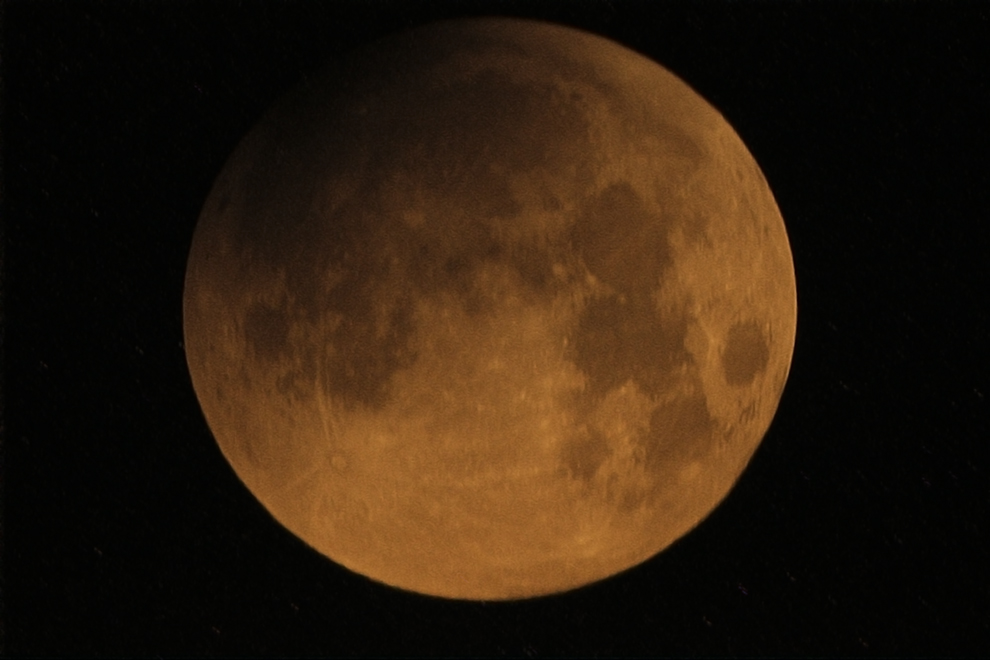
(465, 140)
(449, 258)
(623, 243)
(584, 454)
(269, 219)
(223, 202)
(266, 330)
(621, 339)
(746, 353)
(354, 335)
(533, 264)
(297, 384)
(445, 258)
(622, 336)
(680, 149)
(366, 349)
(680, 431)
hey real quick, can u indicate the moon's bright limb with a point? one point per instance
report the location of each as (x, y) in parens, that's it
(499, 309)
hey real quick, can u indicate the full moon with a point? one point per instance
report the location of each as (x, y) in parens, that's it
(494, 309)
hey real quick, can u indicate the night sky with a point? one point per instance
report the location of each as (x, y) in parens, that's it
(859, 528)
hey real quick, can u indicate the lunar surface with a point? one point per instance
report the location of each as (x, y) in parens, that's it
(494, 309)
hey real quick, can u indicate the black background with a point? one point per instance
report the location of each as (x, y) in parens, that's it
(860, 527)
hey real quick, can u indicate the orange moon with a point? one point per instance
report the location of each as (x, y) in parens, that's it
(497, 309)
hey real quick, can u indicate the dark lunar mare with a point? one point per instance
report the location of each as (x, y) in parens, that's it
(746, 353)
(621, 337)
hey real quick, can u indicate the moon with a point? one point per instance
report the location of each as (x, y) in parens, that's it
(493, 310)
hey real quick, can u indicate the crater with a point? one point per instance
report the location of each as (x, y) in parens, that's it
(746, 353)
